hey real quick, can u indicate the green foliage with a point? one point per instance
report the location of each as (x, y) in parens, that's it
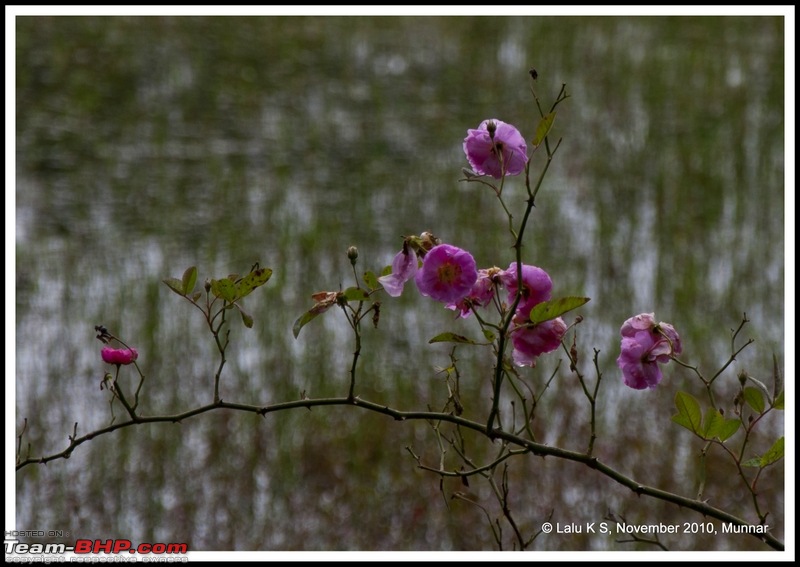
(355, 294)
(714, 426)
(175, 285)
(777, 377)
(302, 321)
(371, 280)
(231, 289)
(224, 289)
(325, 300)
(189, 280)
(760, 385)
(688, 415)
(548, 310)
(543, 128)
(774, 454)
(251, 281)
(754, 399)
(247, 319)
(452, 338)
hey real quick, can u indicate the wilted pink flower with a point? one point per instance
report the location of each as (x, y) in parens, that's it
(496, 148)
(404, 267)
(530, 342)
(644, 344)
(447, 274)
(118, 355)
(480, 295)
(536, 287)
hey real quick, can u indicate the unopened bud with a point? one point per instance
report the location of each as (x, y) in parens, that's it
(491, 127)
(743, 377)
(428, 240)
(352, 254)
(207, 286)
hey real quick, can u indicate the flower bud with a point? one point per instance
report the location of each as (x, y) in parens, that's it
(352, 254)
(743, 377)
(119, 355)
(491, 127)
(428, 241)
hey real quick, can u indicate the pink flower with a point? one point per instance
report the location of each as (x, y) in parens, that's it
(480, 295)
(645, 343)
(447, 274)
(536, 287)
(496, 149)
(530, 342)
(118, 355)
(404, 267)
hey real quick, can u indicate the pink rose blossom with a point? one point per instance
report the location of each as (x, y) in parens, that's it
(646, 343)
(496, 149)
(536, 287)
(447, 274)
(480, 295)
(530, 342)
(118, 355)
(404, 267)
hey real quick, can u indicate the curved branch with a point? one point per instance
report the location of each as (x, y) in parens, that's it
(537, 449)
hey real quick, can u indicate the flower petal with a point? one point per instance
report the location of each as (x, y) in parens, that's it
(447, 274)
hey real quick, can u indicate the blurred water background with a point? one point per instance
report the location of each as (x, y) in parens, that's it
(149, 144)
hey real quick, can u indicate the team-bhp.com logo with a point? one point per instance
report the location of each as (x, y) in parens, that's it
(96, 546)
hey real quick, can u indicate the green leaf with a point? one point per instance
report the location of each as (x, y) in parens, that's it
(555, 308)
(777, 377)
(189, 280)
(760, 384)
(356, 294)
(303, 320)
(247, 319)
(175, 285)
(728, 429)
(716, 426)
(451, 338)
(778, 403)
(387, 270)
(712, 423)
(774, 454)
(197, 295)
(754, 399)
(371, 280)
(224, 288)
(755, 462)
(543, 128)
(254, 279)
(688, 415)
(489, 335)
